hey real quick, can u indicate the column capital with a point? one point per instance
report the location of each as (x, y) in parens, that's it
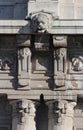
(63, 108)
(25, 113)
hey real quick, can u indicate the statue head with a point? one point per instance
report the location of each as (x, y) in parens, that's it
(40, 23)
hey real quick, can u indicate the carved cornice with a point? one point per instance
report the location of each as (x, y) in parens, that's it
(57, 27)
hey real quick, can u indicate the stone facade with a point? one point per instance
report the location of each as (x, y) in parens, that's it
(41, 65)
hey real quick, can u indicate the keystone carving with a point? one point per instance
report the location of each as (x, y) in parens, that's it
(41, 21)
(77, 63)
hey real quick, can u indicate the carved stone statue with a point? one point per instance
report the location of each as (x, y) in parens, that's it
(77, 63)
(24, 66)
(41, 21)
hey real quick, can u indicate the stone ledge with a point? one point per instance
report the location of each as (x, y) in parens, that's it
(58, 27)
(35, 94)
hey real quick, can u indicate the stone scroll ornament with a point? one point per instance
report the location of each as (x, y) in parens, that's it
(77, 63)
(41, 21)
(24, 66)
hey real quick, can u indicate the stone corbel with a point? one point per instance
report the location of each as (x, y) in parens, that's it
(60, 59)
(24, 67)
(59, 67)
(60, 41)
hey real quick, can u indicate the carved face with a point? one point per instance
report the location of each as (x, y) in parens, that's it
(77, 63)
(40, 22)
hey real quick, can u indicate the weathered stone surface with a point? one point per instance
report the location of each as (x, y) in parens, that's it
(41, 64)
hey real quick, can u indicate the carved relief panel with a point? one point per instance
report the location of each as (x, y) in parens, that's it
(75, 62)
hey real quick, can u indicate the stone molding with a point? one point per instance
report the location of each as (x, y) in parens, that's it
(58, 27)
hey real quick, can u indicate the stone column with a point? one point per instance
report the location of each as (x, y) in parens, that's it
(23, 115)
(69, 115)
(14, 116)
(30, 117)
(50, 116)
(61, 115)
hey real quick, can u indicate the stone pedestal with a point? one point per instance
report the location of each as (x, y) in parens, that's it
(61, 115)
(23, 115)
